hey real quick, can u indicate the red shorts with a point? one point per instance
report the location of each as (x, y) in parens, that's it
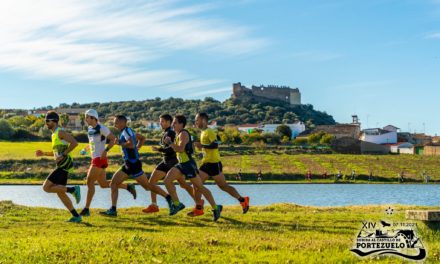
(100, 163)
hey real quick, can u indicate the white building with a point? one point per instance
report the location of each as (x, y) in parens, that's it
(152, 125)
(402, 148)
(248, 128)
(379, 136)
(391, 128)
(297, 128)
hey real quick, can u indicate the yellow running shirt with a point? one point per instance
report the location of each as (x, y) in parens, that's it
(207, 137)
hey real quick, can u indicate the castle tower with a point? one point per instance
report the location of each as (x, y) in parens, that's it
(268, 93)
(295, 97)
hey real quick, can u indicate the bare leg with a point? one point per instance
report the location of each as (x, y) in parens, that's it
(66, 200)
(91, 178)
(224, 186)
(104, 183)
(197, 183)
(143, 181)
(51, 187)
(173, 175)
(156, 176)
(197, 194)
(118, 178)
(60, 190)
(184, 185)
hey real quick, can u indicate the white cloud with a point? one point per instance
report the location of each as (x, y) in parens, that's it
(112, 42)
(211, 91)
(193, 84)
(433, 35)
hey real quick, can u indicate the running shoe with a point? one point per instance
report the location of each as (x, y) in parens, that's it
(197, 212)
(85, 212)
(170, 203)
(245, 204)
(177, 209)
(77, 194)
(132, 189)
(75, 219)
(217, 212)
(151, 209)
(109, 212)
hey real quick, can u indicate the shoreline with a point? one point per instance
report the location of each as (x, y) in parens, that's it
(82, 182)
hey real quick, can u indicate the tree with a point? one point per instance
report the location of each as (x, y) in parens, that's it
(310, 124)
(289, 118)
(44, 133)
(64, 119)
(272, 138)
(285, 140)
(38, 123)
(19, 121)
(284, 131)
(326, 139)
(315, 137)
(230, 135)
(82, 117)
(300, 141)
(6, 130)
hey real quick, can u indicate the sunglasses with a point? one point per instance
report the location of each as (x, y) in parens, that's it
(49, 120)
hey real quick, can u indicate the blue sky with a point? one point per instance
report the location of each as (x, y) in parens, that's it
(379, 59)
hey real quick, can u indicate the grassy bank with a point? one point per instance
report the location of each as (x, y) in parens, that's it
(17, 162)
(281, 233)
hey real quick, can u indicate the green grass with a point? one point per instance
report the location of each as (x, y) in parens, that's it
(26, 150)
(17, 160)
(281, 233)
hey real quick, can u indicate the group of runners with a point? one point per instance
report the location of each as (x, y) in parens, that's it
(178, 164)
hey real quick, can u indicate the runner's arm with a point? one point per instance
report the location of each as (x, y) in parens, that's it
(127, 144)
(140, 140)
(213, 139)
(111, 142)
(70, 139)
(184, 139)
(164, 148)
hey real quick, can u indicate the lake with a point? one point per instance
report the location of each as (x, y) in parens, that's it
(260, 194)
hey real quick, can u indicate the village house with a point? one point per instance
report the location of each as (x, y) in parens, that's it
(380, 135)
(296, 128)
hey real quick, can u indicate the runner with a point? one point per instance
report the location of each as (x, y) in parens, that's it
(98, 135)
(168, 161)
(212, 166)
(62, 144)
(186, 168)
(130, 144)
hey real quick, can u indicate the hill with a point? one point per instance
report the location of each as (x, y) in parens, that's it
(231, 111)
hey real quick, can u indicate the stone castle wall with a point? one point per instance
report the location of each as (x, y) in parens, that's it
(285, 94)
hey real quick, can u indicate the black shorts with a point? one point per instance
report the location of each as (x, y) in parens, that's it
(212, 169)
(58, 176)
(132, 169)
(189, 169)
(166, 165)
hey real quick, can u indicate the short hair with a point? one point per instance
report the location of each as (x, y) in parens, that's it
(52, 116)
(181, 119)
(203, 116)
(121, 118)
(167, 117)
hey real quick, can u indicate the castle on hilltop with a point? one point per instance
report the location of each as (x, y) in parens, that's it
(267, 93)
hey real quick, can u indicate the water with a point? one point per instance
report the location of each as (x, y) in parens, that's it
(261, 194)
